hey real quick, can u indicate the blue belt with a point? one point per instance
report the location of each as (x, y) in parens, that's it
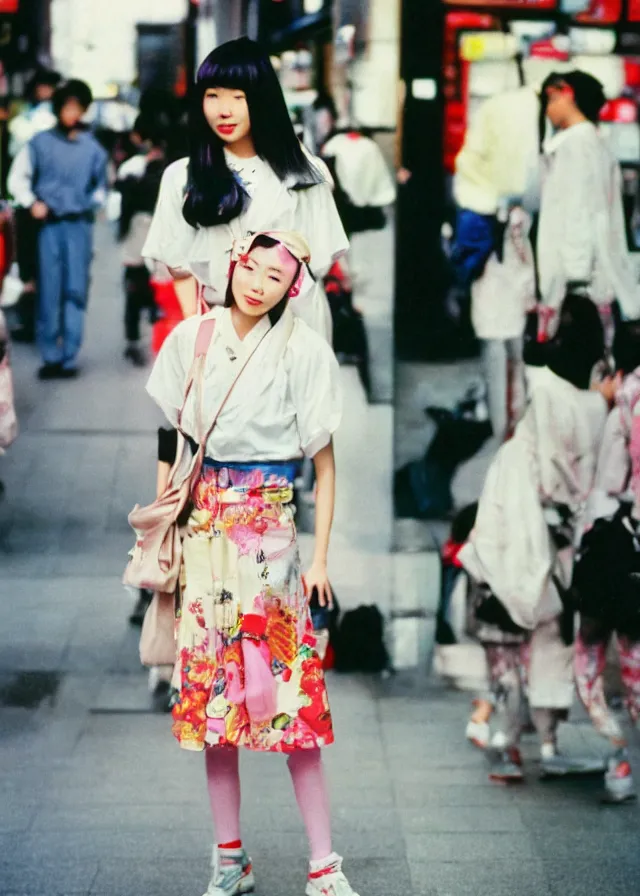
(286, 469)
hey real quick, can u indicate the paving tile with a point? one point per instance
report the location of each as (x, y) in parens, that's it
(485, 878)
(469, 847)
(462, 820)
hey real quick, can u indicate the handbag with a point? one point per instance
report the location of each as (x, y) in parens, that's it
(158, 633)
(155, 559)
(8, 419)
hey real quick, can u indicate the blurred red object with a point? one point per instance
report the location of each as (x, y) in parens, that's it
(601, 12)
(170, 312)
(633, 10)
(9, 6)
(632, 66)
(620, 111)
(450, 551)
(547, 49)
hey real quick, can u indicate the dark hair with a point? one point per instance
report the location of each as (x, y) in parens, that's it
(72, 90)
(588, 92)
(626, 346)
(579, 342)
(266, 242)
(44, 77)
(214, 194)
(151, 129)
(325, 101)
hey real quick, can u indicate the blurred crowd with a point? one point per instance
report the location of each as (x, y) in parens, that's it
(542, 571)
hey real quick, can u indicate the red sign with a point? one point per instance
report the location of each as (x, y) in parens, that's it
(601, 12)
(507, 4)
(634, 10)
(9, 5)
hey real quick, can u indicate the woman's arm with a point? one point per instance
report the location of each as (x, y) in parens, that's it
(317, 577)
(167, 450)
(186, 290)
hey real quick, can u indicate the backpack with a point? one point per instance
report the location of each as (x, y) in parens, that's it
(360, 643)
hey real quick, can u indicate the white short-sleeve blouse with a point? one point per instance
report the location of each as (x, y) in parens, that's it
(274, 205)
(281, 408)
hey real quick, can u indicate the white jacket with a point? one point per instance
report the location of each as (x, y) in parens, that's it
(362, 171)
(581, 234)
(499, 158)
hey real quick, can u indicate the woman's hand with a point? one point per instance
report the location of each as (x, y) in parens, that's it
(608, 388)
(318, 578)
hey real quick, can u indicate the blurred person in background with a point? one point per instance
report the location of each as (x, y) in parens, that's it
(581, 241)
(521, 549)
(60, 176)
(138, 182)
(606, 576)
(36, 116)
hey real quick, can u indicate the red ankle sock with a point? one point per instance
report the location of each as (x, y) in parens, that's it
(232, 844)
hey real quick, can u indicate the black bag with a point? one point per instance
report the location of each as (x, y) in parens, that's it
(350, 342)
(422, 488)
(360, 643)
(606, 575)
(488, 609)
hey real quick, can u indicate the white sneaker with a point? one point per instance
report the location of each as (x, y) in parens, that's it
(478, 733)
(232, 874)
(326, 878)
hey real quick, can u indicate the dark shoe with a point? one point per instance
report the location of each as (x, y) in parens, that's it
(142, 604)
(135, 354)
(50, 372)
(68, 373)
(506, 767)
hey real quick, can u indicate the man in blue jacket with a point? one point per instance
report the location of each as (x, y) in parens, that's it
(61, 177)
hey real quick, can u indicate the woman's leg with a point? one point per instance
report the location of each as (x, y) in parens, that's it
(310, 786)
(590, 662)
(223, 783)
(232, 869)
(506, 685)
(591, 658)
(630, 669)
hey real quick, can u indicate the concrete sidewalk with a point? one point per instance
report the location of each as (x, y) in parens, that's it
(96, 798)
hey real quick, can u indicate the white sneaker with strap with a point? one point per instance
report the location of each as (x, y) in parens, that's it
(232, 874)
(327, 879)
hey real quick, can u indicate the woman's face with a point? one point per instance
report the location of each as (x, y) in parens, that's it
(227, 113)
(559, 105)
(262, 279)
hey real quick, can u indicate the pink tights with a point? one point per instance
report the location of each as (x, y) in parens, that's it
(307, 774)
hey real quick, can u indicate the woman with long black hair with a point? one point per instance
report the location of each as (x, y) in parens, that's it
(246, 172)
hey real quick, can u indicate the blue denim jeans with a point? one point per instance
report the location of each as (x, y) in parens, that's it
(65, 249)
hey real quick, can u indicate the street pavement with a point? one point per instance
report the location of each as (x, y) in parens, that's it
(96, 798)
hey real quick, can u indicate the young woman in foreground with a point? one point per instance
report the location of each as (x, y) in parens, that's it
(248, 674)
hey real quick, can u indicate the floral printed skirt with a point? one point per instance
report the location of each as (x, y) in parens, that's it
(241, 579)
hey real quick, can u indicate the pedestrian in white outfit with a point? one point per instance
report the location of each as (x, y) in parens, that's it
(500, 300)
(520, 551)
(581, 242)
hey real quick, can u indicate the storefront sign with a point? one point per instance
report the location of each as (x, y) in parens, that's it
(601, 12)
(507, 4)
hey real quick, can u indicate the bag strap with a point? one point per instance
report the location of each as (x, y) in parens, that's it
(204, 337)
